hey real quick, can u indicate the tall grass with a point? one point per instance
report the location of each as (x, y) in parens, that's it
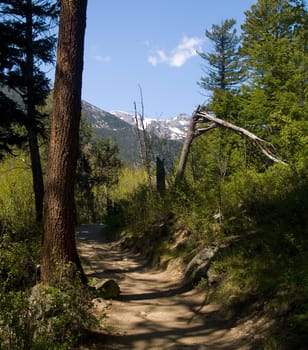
(17, 212)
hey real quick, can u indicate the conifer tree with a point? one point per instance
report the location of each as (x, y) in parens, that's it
(10, 112)
(223, 69)
(275, 47)
(29, 44)
(11, 115)
(59, 254)
(223, 73)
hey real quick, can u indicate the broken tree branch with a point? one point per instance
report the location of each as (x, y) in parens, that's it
(200, 116)
(262, 144)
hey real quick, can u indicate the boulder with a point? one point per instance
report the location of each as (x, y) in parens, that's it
(108, 289)
(199, 265)
(42, 303)
(99, 304)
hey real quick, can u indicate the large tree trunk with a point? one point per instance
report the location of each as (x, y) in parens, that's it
(59, 253)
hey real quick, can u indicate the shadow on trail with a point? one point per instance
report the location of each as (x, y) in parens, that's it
(95, 234)
(155, 337)
(102, 253)
(187, 322)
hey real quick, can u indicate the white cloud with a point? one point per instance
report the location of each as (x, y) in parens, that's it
(177, 57)
(158, 57)
(101, 58)
(96, 54)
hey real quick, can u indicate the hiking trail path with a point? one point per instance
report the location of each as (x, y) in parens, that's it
(154, 311)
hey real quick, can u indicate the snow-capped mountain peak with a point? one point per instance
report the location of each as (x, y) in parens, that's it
(173, 129)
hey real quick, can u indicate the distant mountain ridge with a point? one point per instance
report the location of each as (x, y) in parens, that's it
(166, 136)
(173, 129)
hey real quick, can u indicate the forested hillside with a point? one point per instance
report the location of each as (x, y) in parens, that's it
(125, 135)
(233, 203)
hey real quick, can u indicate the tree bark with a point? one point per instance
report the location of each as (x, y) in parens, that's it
(59, 254)
(36, 167)
(37, 173)
(160, 176)
(186, 148)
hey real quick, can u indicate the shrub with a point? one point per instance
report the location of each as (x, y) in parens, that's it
(18, 262)
(56, 316)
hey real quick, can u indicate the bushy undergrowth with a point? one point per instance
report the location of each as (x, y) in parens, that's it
(19, 261)
(262, 222)
(19, 233)
(33, 316)
(268, 264)
(17, 213)
(53, 318)
(44, 317)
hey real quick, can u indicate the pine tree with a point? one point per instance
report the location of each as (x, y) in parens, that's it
(29, 42)
(224, 70)
(224, 73)
(59, 245)
(11, 113)
(97, 172)
(223, 67)
(275, 45)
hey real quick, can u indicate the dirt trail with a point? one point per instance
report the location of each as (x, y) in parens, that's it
(154, 312)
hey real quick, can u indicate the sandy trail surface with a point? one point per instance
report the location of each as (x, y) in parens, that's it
(154, 310)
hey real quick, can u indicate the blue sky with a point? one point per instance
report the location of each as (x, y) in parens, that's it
(151, 43)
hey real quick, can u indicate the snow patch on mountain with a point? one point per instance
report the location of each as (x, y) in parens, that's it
(173, 129)
(128, 118)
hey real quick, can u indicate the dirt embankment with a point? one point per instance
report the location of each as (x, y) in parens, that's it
(154, 311)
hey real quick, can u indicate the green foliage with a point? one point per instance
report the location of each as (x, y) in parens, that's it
(17, 213)
(149, 219)
(28, 28)
(267, 263)
(129, 181)
(27, 42)
(19, 232)
(98, 172)
(48, 318)
(14, 324)
(223, 67)
(18, 261)
(62, 312)
(263, 228)
(142, 216)
(275, 52)
(11, 116)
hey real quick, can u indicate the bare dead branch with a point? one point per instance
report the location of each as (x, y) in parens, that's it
(201, 131)
(262, 144)
(200, 116)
